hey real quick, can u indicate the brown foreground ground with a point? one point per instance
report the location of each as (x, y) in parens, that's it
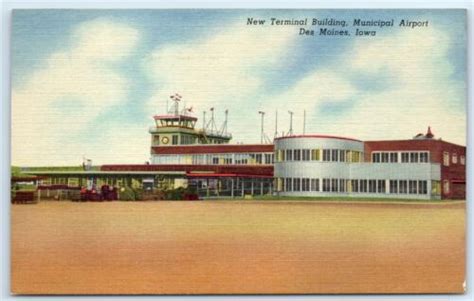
(237, 247)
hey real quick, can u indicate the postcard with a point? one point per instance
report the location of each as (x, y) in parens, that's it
(238, 151)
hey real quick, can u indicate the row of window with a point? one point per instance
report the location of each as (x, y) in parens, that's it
(403, 157)
(327, 155)
(215, 159)
(355, 185)
(454, 159)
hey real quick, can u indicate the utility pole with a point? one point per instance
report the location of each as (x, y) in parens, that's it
(276, 124)
(291, 123)
(261, 132)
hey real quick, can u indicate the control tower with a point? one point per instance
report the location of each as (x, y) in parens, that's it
(178, 127)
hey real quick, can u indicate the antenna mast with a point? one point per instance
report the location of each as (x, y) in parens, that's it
(261, 131)
(224, 125)
(291, 123)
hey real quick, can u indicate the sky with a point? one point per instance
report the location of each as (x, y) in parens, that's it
(86, 83)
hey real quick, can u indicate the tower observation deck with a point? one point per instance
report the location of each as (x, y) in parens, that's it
(178, 127)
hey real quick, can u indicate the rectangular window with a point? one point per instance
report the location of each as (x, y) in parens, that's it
(174, 139)
(424, 157)
(215, 160)
(445, 187)
(372, 186)
(446, 159)
(288, 185)
(413, 157)
(393, 157)
(384, 157)
(376, 157)
(315, 154)
(342, 156)
(296, 184)
(435, 187)
(306, 155)
(356, 156)
(393, 186)
(381, 186)
(326, 185)
(422, 187)
(463, 160)
(334, 185)
(326, 155)
(363, 185)
(412, 187)
(314, 184)
(403, 186)
(268, 158)
(335, 155)
(355, 185)
(342, 185)
(305, 184)
(297, 155)
(455, 158)
(289, 155)
(405, 157)
(258, 158)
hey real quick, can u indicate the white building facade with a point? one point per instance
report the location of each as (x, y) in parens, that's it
(316, 165)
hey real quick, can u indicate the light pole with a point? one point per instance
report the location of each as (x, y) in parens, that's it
(261, 132)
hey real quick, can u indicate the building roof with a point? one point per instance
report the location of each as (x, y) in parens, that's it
(212, 149)
(174, 117)
(317, 136)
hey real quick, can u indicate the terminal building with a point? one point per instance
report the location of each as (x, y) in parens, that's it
(181, 155)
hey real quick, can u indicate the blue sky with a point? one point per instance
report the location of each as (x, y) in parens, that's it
(86, 82)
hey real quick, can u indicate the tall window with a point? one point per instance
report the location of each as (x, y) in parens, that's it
(422, 187)
(403, 186)
(174, 139)
(363, 185)
(314, 184)
(355, 185)
(445, 186)
(381, 186)
(413, 157)
(296, 184)
(405, 157)
(315, 154)
(326, 185)
(334, 185)
(335, 155)
(297, 155)
(412, 187)
(288, 184)
(384, 157)
(376, 157)
(393, 186)
(463, 160)
(372, 186)
(424, 157)
(306, 155)
(289, 155)
(305, 184)
(446, 159)
(455, 158)
(342, 156)
(393, 157)
(342, 185)
(326, 155)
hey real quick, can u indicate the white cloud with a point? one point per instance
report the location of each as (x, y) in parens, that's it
(419, 91)
(43, 129)
(222, 70)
